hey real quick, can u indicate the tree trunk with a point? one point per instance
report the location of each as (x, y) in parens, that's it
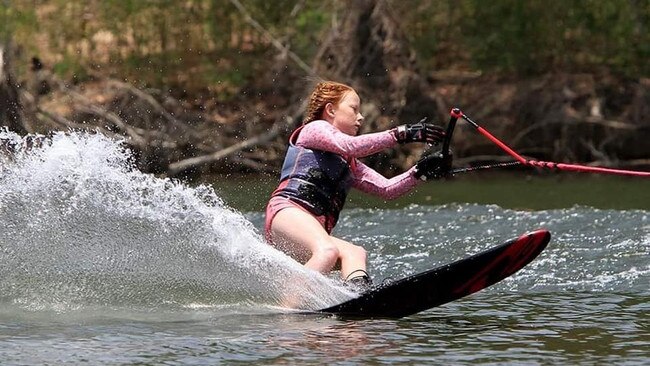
(369, 51)
(10, 107)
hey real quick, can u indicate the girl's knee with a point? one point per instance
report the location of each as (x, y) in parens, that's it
(360, 252)
(356, 252)
(328, 252)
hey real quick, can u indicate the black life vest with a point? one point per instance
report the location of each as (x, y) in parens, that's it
(317, 180)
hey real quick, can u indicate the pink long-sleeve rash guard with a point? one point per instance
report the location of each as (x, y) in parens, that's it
(321, 135)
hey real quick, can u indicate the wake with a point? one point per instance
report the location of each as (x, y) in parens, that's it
(82, 227)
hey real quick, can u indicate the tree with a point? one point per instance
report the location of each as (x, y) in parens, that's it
(10, 107)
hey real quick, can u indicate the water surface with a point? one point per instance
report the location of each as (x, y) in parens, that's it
(101, 264)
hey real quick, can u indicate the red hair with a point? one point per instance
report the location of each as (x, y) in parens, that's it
(324, 92)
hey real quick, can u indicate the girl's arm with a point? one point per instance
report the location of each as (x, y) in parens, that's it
(369, 181)
(321, 135)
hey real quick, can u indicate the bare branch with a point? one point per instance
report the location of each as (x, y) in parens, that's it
(255, 165)
(591, 120)
(182, 165)
(135, 134)
(276, 43)
(150, 100)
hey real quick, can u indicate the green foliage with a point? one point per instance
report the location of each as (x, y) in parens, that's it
(307, 29)
(212, 44)
(13, 18)
(70, 68)
(533, 36)
(20, 20)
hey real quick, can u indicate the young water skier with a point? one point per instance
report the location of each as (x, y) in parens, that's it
(322, 165)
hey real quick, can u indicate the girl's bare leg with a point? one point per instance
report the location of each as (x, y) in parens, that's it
(300, 235)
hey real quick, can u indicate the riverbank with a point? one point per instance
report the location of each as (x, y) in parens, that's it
(191, 98)
(583, 118)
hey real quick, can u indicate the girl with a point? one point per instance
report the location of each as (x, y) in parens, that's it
(321, 166)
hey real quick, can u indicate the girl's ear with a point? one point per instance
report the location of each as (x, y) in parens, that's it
(329, 109)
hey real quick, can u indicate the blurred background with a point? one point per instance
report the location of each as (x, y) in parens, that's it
(209, 87)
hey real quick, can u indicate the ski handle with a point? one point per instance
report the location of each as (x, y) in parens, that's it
(456, 113)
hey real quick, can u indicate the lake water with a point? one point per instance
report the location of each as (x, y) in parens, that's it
(101, 264)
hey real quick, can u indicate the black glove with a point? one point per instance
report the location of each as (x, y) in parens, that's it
(419, 132)
(433, 166)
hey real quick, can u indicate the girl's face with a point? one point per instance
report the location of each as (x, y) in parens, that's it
(345, 115)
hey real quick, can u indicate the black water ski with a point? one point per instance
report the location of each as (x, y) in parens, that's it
(446, 283)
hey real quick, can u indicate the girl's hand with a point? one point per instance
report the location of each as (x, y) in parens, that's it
(419, 132)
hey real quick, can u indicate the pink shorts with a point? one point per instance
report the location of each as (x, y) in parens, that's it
(278, 203)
